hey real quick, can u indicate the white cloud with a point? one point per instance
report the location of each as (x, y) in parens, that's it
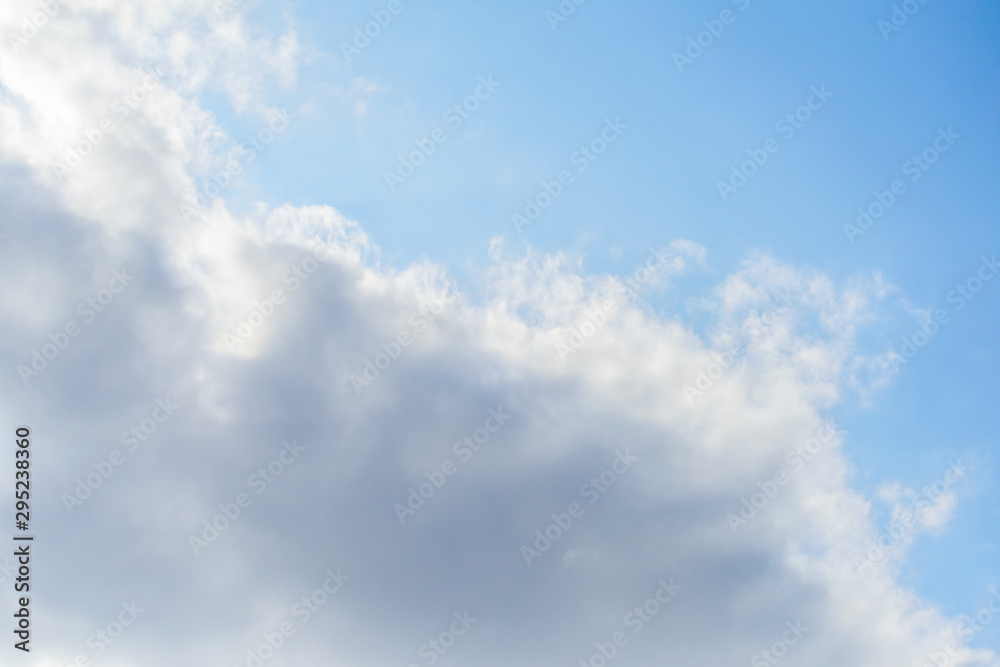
(291, 379)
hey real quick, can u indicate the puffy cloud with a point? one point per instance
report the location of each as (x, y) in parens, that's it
(430, 441)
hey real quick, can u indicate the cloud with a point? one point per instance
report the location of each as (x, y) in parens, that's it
(470, 351)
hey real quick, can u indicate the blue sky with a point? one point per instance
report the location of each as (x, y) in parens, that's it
(686, 130)
(318, 365)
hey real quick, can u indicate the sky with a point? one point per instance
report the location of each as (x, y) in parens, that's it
(372, 333)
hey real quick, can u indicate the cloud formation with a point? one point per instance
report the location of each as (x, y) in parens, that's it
(256, 326)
